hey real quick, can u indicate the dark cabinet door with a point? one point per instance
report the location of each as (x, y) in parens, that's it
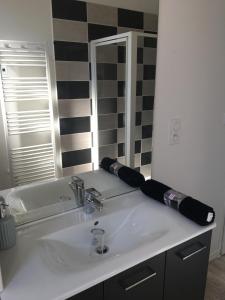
(142, 282)
(186, 269)
(94, 293)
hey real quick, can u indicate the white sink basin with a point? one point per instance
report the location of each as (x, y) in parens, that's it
(125, 230)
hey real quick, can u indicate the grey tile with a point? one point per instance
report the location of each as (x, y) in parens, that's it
(107, 88)
(137, 160)
(107, 122)
(146, 145)
(122, 160)
(150, 22)
(70, 31)
(139, 103)
(121, 135)
(72, 70)
(76, 141)
(102, 14)
(147, 117)
(106, 54)
(121, 104)
(107, 106)
(148, 88)
(74, 108)
(138, 132)
(140, 41)
(107, 137)
(146, 171)
(110, 151)
(77, 169)
(150, 56)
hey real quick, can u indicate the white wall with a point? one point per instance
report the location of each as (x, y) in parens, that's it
(150, 6)
(191, 85)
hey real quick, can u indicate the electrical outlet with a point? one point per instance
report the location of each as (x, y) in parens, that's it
(174, 131)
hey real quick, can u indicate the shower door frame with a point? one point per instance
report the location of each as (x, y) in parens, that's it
(131, 40)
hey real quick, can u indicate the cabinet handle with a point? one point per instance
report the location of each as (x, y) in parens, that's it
(130, 283)
(191, 251)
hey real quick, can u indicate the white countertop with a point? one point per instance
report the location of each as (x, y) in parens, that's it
(29, 276)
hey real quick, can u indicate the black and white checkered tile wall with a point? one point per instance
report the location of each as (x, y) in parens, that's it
(75, 23)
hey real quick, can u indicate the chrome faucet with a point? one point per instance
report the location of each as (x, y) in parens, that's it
(92, 201)
(88, 198)
(77, 186)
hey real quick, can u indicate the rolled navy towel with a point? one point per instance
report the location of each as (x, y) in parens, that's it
(154, 189)
(128, 175)
(197, 211)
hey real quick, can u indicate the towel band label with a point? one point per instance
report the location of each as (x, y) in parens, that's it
(173, 198)
(114, 168)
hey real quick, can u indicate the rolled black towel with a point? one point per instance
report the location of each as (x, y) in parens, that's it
(131, 177)
(197, 211)
(128, 175)
(106, 163)
(154, 189)
(191, 208)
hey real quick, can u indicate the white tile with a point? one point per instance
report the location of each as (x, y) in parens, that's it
(150, 22)
(137, 160)
(148, 88)
(146, 145)
(121, 104)
(138, 132)
(110, 151)
(70, 31)
(149, 56)
(146, 171)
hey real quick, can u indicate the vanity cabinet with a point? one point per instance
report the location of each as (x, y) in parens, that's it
(144, 282)
(179, 273)
(94, 293)
(186, 269)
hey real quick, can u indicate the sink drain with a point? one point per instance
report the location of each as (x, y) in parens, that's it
(102, 250)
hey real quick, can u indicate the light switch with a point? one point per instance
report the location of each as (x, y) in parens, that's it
(174, 131)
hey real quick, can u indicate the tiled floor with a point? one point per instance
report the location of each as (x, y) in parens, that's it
(215, 288)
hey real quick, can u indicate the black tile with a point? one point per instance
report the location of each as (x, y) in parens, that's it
(149, 72)
(100, 31)
(71, 51)
(137, 146)
(74, 125)
(90, 71)
(107, 106)
(146, 158)
(106, 71)
(139, 88)
(138, 119)
(146, 131)
(140, 55)
(121, 54)
(150, 42)
(70, 10)
(121, 120)
(74, 158)
(73, 89)
(121, 88)
(121, 150)
(130, 18)
(148, 102)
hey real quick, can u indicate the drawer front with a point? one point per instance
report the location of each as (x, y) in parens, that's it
(94, 293)
(142, 282)
(186, 269)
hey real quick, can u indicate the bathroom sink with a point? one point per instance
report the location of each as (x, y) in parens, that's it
(125, 230)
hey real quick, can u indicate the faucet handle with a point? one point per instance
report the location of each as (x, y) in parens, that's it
(77, 180)
(93, 192)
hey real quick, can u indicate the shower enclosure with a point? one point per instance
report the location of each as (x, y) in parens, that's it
(123, 76)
